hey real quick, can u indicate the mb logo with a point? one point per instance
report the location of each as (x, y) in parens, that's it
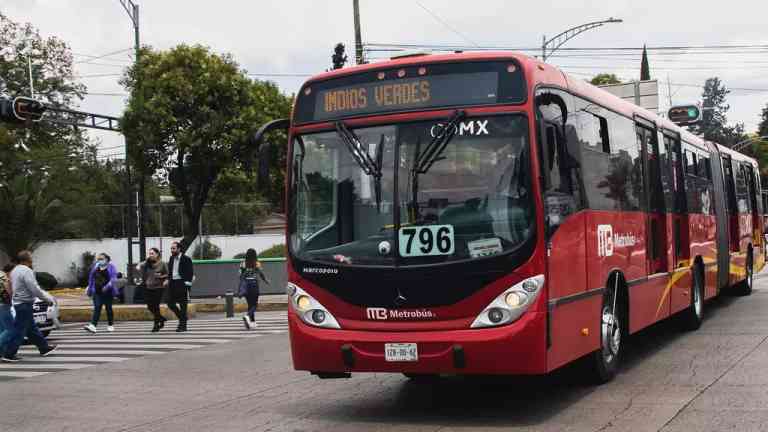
(604, 240)
(376, 313)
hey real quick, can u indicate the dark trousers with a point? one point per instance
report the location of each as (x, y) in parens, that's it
(252, 297)
(100, 300)
(178, 298)
(24, 324)
(153, 297)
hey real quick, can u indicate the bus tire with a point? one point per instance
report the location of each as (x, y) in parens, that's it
(692, 317)
(745, 287)
(613, 318)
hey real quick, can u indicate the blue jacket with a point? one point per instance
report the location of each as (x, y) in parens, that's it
(110, 286)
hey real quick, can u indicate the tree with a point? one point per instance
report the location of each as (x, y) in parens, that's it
(714, 122)
(645, 70)
(762, 128)
(190, 115)
(338, 58)
(41, 189)
(605, 79)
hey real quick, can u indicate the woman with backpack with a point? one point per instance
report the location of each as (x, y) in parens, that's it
(102, 287)
(154, 273)
(250, 272)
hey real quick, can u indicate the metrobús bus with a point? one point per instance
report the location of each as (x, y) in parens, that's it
(485, 213)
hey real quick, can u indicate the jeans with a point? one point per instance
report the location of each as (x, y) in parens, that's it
(102, 300)
(252, 297)
(6, 325)
(24, 324)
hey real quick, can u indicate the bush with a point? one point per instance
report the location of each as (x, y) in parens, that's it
(46, 280)
(207, 251)
(80, 271)
(276, 251)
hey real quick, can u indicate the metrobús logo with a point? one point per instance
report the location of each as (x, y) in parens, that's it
(381, 314)
(320, 270)
(607, 240)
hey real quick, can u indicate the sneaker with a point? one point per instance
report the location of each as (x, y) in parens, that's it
(47, 351)
(91, 328)
(11, 359)
(161, 323)
(247, 323)
(182, 327)
(110, 328)
(156, 328)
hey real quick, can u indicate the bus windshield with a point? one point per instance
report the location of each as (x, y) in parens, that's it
(423, 202)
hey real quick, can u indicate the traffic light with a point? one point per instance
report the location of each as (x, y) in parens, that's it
(684, 115)
(21, 109)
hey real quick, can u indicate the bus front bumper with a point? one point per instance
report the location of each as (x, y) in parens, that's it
(514, 349)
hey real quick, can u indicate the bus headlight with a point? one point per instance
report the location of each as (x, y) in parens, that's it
(308, 309)
(511, 304)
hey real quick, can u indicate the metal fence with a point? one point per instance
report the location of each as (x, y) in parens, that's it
(170, 220)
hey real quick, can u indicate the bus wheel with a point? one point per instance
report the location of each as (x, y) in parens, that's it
(692, 317)
(745, 287)
(605, 361)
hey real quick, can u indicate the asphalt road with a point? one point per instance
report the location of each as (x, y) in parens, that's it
(710, 380)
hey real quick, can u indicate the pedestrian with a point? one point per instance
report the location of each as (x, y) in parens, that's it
(153, 274)
(250, 272)
(6, 318)
(102, 287)
(25, 289)
(182, 274)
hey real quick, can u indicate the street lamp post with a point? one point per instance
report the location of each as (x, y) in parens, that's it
(548, 47)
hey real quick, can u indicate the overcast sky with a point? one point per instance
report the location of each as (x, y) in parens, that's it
(297, 37)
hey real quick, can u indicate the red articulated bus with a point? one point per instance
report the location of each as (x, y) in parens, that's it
(485, 213)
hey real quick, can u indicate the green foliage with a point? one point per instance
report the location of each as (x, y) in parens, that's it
(714, 122)
(762, 128)
(605, 79)
(42, 189)
(207, 250)
(190, 117)
(276, 251)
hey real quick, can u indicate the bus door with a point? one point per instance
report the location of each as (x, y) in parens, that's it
(656, 222)
(733, 212)
(673, 177)
(752, 188)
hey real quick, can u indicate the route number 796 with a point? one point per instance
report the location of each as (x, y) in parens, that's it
(427, 240)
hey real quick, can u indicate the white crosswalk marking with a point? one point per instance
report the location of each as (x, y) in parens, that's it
(78, 349)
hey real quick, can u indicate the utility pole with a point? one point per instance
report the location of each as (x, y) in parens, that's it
(358, 39)
(132, 10)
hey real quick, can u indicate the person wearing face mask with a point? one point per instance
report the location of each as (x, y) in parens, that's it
(154, 272)
(102, 287)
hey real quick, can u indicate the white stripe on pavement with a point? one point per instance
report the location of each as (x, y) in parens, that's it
(67, 341)
(14, 374)
(5, 367)
(61, 352)
(60, 359)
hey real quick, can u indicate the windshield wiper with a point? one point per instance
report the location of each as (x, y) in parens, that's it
(360, 155)
(432, 153)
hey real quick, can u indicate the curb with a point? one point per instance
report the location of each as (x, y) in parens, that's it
(75, 314)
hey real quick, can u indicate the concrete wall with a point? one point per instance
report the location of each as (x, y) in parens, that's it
(57, 257)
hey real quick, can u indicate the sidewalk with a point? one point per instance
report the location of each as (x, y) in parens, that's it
(75, 306)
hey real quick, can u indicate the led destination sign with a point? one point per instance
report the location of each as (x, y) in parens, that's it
(411, 88)
(445, 90)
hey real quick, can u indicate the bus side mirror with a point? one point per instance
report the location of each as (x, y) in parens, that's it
(262, 149)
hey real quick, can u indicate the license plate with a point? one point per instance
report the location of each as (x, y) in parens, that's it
(401, 352)
(41, 318)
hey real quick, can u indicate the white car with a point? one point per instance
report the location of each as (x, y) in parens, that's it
(46, 316)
